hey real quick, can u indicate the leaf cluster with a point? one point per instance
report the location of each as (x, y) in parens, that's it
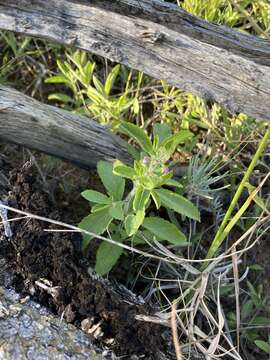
(126, 218)
(89, 95)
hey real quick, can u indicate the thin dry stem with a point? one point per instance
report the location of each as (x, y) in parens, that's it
(174, 332)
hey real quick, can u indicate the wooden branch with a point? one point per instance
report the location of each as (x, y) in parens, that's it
(27, 122)
(214, 62)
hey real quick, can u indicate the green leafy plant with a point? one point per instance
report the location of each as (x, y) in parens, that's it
(88, 94)
(220, 11)
(201, 176)
(247, 15)
(22, 55)
(129, 218)
(263, 345)
(74, 73)
(183, 110)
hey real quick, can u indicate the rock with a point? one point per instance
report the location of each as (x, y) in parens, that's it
(30, 331)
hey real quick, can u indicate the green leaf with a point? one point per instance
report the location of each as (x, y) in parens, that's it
(139, 168)
(164, 230)
(88, 73)
(255, 297)
(98, 86)
(111, 79)
(63, 67)
(136, 106)
(149, 182)
(116, 210)
(173, 141)
(98, 207)
(162, 132)
(163, 179)
(174, 183)
(133, 222)
(247, 310)
(178, 203)
(137, 134)
(264, 346)
(123, 170)
(140, 237)
(60, 97)
(114, 184)
(96, 197)
(57, 79)
(95, 96)
(260, 321)
(140, 199)
(95, 223)
(256, 267)
(107, 256)
(133, 152)
(156, 199)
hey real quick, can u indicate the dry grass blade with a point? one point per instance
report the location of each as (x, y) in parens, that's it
(175, 333)
(215, 343)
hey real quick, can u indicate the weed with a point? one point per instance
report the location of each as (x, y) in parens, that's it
(246, 15)
(123, 217)
(89, 95)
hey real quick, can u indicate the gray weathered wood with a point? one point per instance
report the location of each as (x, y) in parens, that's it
(160, 39)
(27, 122)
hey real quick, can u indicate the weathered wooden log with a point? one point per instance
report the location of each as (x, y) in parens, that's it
(160, 39)
(76, 138)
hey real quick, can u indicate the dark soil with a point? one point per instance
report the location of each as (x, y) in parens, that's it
(50, 267)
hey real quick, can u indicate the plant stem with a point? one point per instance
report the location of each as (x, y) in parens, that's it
(221, 234)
